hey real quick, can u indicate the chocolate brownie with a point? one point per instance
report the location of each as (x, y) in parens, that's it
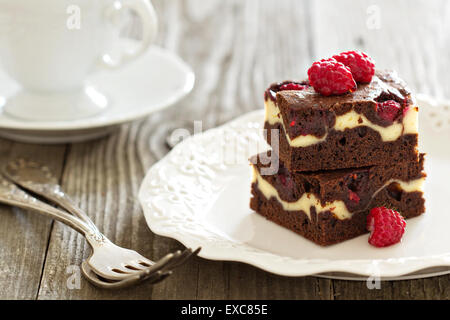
(328, 207)
(315, 132)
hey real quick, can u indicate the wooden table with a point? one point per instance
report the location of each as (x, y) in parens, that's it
(236, 49)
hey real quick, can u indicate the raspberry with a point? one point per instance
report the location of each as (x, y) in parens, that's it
(386, 227)
(328, 77)
(388, 110)
(361, 65)
(293, 86)
(286, 181)
(353, 196)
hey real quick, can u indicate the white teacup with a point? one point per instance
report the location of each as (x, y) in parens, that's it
(50, 46)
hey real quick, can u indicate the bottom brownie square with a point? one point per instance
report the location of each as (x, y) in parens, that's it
(328, 207)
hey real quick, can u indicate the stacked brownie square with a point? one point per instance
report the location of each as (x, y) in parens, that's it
(338, 157)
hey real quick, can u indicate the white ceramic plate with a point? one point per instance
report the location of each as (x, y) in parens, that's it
(156, 80)
(199, 195)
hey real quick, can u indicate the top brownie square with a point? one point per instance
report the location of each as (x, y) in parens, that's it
(374, 125)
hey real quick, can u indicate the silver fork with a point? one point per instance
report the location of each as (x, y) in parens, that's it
(10, 194)
(107, 260)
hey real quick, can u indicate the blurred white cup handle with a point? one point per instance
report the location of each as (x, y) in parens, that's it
(149, 22)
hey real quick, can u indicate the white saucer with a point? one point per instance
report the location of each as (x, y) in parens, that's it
(199, 195)
(155, 81)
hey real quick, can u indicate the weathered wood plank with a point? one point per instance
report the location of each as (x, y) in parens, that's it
(24, 235)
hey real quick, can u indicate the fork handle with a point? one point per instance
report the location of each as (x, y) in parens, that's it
(59, 197)
(42, 208)
(64, 201)
(94, 237)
